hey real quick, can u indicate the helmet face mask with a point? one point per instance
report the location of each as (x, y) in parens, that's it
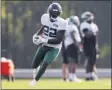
(54, 14)
(54, 10)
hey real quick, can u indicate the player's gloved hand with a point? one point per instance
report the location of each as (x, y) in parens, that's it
(37, 40)
(43, 40)
(81, 48)
(97, 56)
(97, 52)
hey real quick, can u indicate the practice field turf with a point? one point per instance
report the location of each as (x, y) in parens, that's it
(57, 84)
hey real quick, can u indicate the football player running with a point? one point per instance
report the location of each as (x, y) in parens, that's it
(49, 38)
(70, 49)
(89, 31)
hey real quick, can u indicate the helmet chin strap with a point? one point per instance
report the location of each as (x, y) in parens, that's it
(53, 19)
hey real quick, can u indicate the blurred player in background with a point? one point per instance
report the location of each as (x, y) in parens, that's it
(89, 31)
(49, 38)
(70, 49)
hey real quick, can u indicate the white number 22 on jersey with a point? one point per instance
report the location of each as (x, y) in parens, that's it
(51, 32)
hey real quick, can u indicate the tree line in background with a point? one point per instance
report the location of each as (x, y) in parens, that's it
(21, 19)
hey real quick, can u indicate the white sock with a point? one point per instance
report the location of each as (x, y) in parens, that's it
(70, 75)
(73, 75)
(34, 70)
(34, 80)
(38, 68)
(93, 74)
(74, 78)
(88, 74)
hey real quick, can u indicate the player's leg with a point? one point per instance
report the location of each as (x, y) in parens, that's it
(43, 66)
(38, 58)
(89, 64)
(49, 57)
(90, 75)
(65, 70)
(90, 68)
(88, 55)
(91, 60)
(65, 63)
(97, 57)
(95, 69)
(73, 61)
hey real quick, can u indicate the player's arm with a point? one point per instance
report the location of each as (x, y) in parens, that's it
(81, 32)
(74, 39)
(40, 31)
(97, 44)
(58, 39)
(36, 35)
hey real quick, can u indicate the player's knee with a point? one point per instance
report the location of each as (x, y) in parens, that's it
(74, 61)
(65, 61)
(89, 62)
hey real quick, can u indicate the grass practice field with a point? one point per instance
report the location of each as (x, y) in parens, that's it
(57, 84)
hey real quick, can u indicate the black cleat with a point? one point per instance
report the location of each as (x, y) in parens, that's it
(70, 80)
(64, 79)
(90, 78)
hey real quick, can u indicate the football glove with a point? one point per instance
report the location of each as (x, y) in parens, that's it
(37, 40)
(97, 51)
(81, 48)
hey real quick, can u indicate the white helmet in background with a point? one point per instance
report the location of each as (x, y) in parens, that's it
(74, 20)
(87, 16)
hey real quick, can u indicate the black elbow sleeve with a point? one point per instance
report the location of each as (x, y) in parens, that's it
(58, 39)
(54, 41)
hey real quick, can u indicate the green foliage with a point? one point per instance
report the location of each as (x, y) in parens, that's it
(28, 13)
(71, 12)
(19, 34)
(15, 2)
(104, 50)
(3, 10)
(65, 12)
(10, 25)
